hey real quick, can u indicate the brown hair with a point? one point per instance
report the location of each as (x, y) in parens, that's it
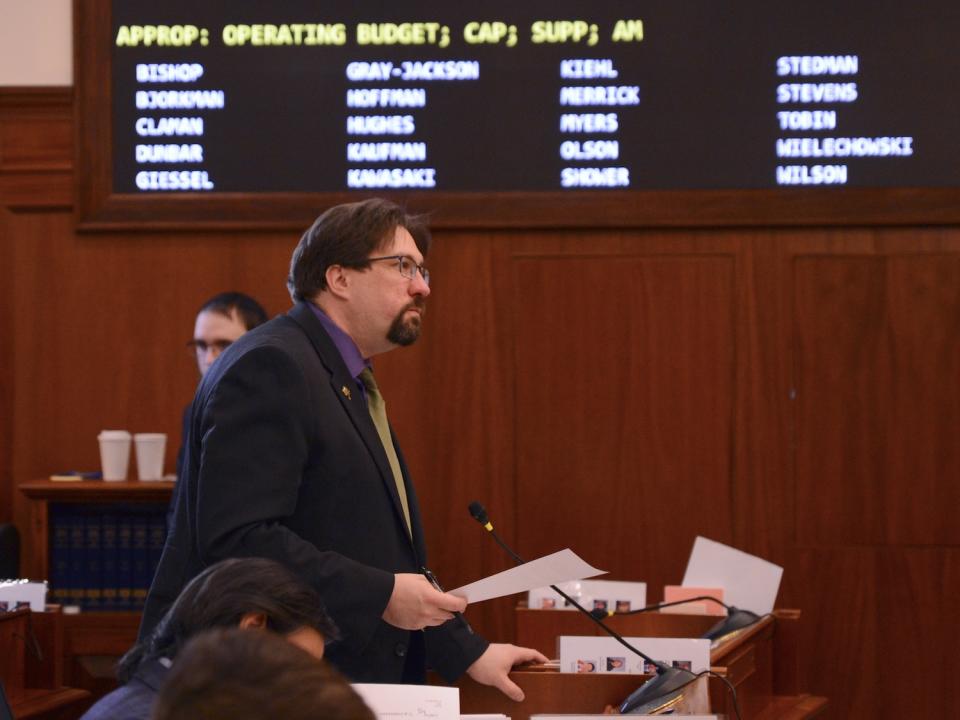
(347, 235)
(226, 674)
(220, 596)
(248, 310)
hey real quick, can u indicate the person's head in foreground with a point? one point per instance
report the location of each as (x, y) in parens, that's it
(228, 674)
(244, 593)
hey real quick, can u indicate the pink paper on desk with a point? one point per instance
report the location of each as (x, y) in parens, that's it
(673, 593)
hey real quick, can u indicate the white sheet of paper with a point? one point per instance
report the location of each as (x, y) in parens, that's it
(423, 702)
(33, 592)
(749, 582)
(549, 570)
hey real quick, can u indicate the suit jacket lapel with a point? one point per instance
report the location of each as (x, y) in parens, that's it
(347, 392)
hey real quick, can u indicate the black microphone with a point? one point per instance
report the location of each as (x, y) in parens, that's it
(735, 620)
(660, 692)
(479, 513)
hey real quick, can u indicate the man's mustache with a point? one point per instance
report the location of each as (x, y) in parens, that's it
(420, 303)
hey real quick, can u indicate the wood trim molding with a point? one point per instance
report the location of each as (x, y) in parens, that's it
(36, 148)
(27, 97)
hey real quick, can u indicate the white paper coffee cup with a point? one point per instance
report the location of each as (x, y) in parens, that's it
(151, 448)
(114, 454)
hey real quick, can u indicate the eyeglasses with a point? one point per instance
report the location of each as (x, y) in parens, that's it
(202, 347)
(407, 266)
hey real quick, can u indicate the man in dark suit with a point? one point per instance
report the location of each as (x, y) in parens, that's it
(287, 458)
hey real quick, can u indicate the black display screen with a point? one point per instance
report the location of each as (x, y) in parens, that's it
(258, 97)
(614, 113)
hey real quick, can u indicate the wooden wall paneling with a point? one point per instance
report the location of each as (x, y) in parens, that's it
(879, 355)
(763, 496)
(924, 426)
(881, 629)
(936, 628)
(841, 399)
(36, 147)
(6, 369)
(874, 321)
(111, 351)
(36, 129)
(35, 161)
(31, 191)
(625, 396)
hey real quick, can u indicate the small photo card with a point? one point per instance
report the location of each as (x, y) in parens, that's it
(588, 654)
(607, 595)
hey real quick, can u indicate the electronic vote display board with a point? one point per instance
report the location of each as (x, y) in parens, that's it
(547, 100)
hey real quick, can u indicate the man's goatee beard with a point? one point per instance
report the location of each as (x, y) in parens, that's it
(405, 332)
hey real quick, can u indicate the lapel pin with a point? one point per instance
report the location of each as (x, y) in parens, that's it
(346, 392)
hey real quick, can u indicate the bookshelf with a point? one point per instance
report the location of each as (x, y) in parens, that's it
(41, 494)
(92, 641)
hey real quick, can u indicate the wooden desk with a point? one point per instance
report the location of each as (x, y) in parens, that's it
(57, 704)
(760, 662)
(32, 668)
(540, 629)
(555, 692)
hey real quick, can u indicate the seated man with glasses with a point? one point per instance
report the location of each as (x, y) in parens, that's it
(220, 320)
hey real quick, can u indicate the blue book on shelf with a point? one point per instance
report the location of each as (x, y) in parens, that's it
(124, 560)
(140, 557)
(76, 531)
(110, 599)
(59, 555)
(157, 530)
(93, 575)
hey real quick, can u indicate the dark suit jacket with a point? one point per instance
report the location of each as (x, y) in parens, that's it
(133, 701)
(185, 425)
(283, 461)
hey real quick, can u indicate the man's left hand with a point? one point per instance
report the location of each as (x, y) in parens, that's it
(493, 667)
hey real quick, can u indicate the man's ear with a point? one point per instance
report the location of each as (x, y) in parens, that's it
(253, 621)
(338, 280)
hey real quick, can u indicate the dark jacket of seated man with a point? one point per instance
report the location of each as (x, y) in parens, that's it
(133, 701)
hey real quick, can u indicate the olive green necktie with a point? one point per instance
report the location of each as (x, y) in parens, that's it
(378, 412)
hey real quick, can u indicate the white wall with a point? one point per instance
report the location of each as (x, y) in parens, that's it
(36, 42)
